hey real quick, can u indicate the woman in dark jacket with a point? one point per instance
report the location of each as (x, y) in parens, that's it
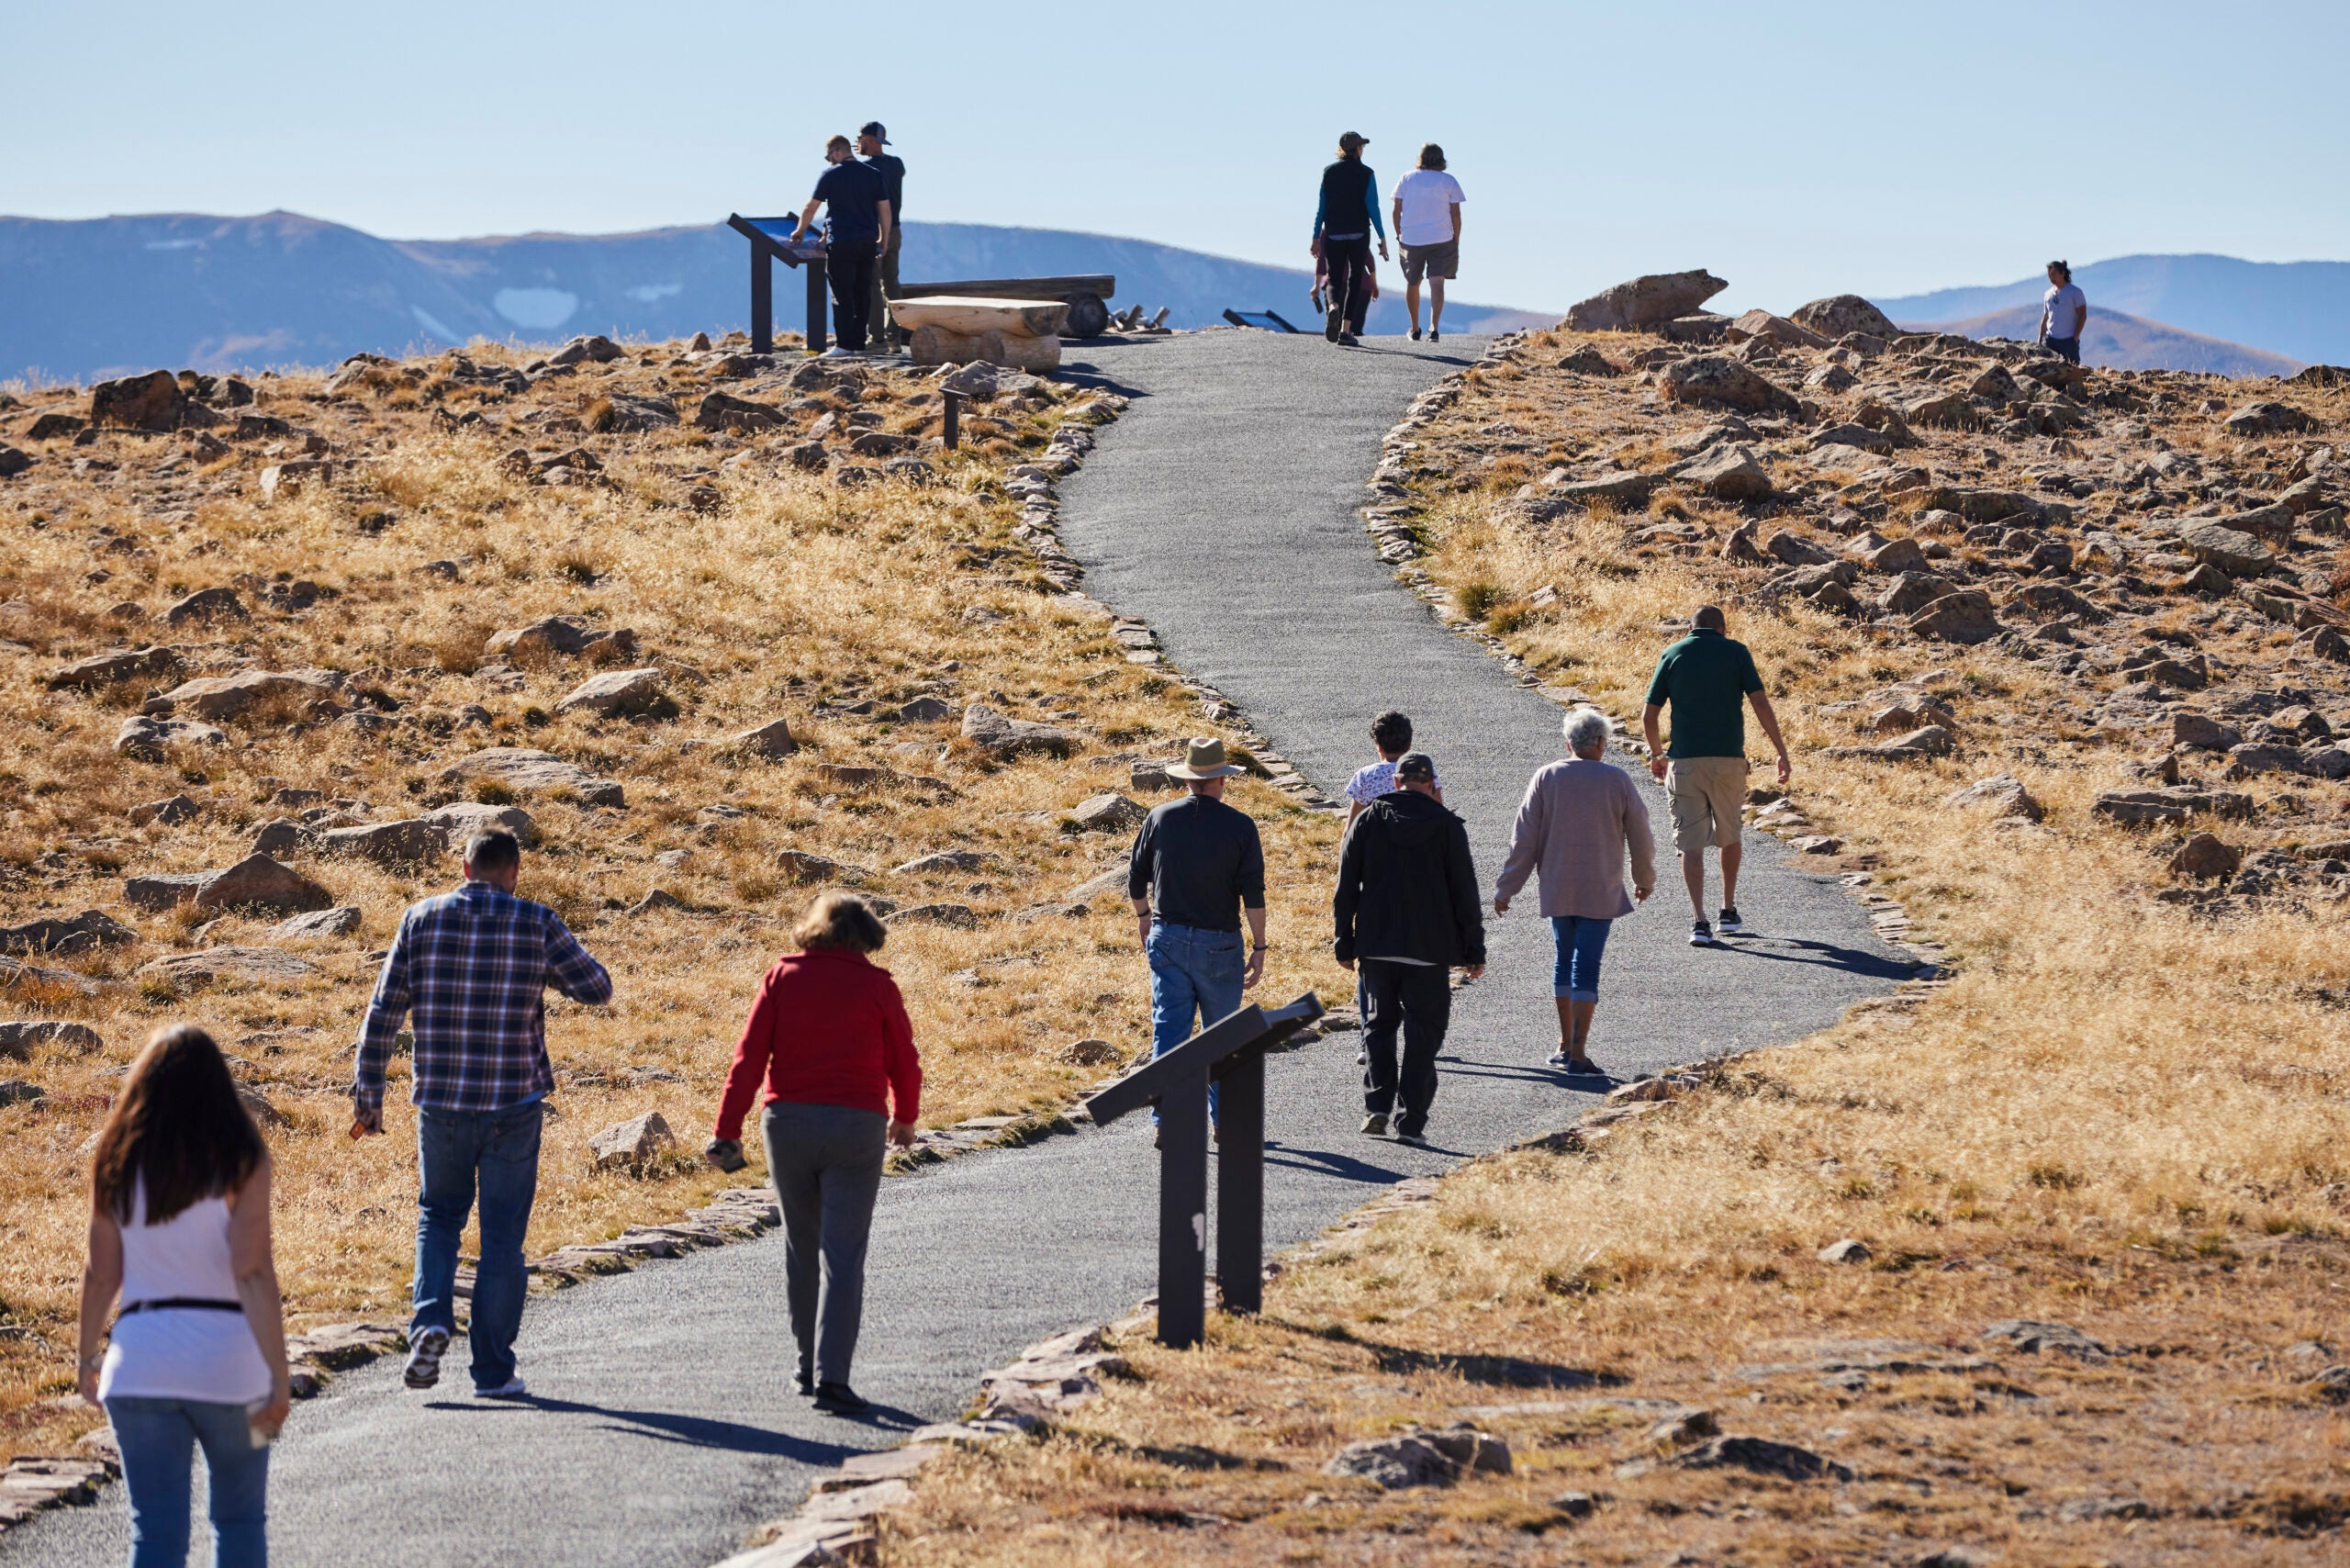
(829, 1034)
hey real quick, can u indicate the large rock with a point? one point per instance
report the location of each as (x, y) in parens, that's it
(207, 604)
(1422, 1459)
(1794, 550)
(12, 461)
(2204, 857)
(463, 819)
(770, 739)
(2003, 791)
(561, 635)
(258, 882)
(150, 739)
(1718, 381)
(720, 411)
(1003, 736)
(1729, 473)
(961, 916)
(1912, 592)
(2237, 554)
(148, 402)
(1896, 556)
(2201, 731)
(535, 773)
(228, 696)
(1965, 617)
(634, 1144)
(268, 966)
(621, 691)
(163, 891)
(1109, 813)
(18, 1040)
(171, 812)
(624, 413)
(2143, 807)
(1842, 313)
(1764, 1457)
(2315, 762)
(90, 928)
(584, 350)
(1773, 329)
(338, 922)
(113, 668)
(1644, 302)
(2268, 418)
(413, 842)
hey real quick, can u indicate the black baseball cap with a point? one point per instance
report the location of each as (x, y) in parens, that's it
(1416, 765)
(873, 128)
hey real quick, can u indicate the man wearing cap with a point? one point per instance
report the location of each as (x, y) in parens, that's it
(1343, 225)
(1197, 869)
(857, 222)
(871, 141)
(1408, 911)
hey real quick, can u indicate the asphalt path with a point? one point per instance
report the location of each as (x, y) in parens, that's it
(662, 1424)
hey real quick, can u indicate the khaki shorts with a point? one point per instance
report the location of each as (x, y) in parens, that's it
(1708, 799)
(1440, 260)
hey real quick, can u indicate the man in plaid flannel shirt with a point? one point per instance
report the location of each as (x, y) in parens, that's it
(473, 965)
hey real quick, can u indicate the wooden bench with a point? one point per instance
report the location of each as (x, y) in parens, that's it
(1085, 293)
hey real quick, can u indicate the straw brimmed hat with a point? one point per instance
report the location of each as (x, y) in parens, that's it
(1203, 759)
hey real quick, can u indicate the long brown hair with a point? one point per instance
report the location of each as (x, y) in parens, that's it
(840, 920)
(177, 1127)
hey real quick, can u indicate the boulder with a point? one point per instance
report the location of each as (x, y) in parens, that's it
(1718, 381)
(228, 696)
(276, 837)
(1842, 313)
(1644, 302)
(1912, 592)
(1965, 617)
(1589, 361)
(410, 843)
(2268, 418)
(1702, 327)
(2143, 807)
(1794, 550)
(1001, 736)
(18, 1040)
(1929, 740)
(920, 711)
(2315, 762)
(150, 739)
(597, 350)
(1849, 1250)
(338, 922)
(1109, 813)
(624, 413)
(2205, 857)
(2201, 731)
(2271, 524)
(621, 691)
(113, 668)
(559, 634)
(54, 426)
(770, 739)
(943, 861)
(178, 808)
(807, 454)
(463, 819)
(207, 604)
(881, 444)
(1773, 329)
(634, 1144)
(258, 882)
(269, 966)
(534, 772)
(13, 462)
(90, 928)
(150, 402)
(161, 891)
(1764, 1457)
(284, 478)
(1728, 472)
(804, 867)
(2003, 791)
(720, 411)
(960, 916)
(1896, 556)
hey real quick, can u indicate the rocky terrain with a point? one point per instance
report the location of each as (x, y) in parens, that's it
(711, 630)
(2038, 1259)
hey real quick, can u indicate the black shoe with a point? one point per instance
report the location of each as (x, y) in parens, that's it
(841, 1399)
(807, 1379)
(1435, 336)
(1348, 341)
(1416, 1139)
(1702, 936)
(1730, 924)
(1415, 334)
(1334, 326)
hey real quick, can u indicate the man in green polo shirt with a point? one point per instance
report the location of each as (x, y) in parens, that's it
(1708, 678)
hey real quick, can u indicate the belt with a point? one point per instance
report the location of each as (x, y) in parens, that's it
(188, 1302)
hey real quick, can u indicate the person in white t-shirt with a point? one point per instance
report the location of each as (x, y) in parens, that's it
(2064, 311)
(1427, 225)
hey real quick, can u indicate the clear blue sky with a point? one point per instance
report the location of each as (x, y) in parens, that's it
(1795, 149)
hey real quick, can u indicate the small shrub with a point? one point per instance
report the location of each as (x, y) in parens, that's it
(493, 792)
(1476, 598)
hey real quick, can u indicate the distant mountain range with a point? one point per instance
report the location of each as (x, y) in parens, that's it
(2299, 309)
(2128, 342)
(85, 299)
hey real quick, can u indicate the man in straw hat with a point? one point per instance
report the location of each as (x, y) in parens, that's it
(1197, 869)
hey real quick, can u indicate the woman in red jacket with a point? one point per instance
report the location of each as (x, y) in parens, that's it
(829, 1034)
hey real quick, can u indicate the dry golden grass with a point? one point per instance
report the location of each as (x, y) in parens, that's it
(795, 593)
(2118, 1114)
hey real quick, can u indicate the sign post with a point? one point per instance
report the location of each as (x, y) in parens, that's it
(1230, 1053)
(771, 242)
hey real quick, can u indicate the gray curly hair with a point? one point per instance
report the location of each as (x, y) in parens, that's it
(1586, 731)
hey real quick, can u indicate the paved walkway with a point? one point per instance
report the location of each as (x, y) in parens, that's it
(662, 1427)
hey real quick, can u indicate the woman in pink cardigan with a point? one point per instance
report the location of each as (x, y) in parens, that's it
(1579, 818)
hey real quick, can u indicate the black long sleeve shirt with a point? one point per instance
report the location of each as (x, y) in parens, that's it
(1199, 863)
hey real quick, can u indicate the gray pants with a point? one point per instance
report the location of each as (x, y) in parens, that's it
(880, 331)
(825, 1161)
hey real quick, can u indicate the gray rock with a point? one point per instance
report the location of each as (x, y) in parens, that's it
(166, 890)
(171, 813)
(1718, 381)
(720, 411)
(156, 664)
(258, 882)
(2141, 808)
(413, 842)
(631, 1144)
(534, 772)
(1838, 314)
(770, 739)
(338, 922)
(1393, 1464)
(1965, 617)
(962, 917)
(463, 819)
(584, 350)
(1848, 1250)
(1896, 556)
(228, 696)
(2269, 418)
(1109, 813)
(17, 1040)
(12, 461)
(150, 402)
(1003, 735)
(1912, 592)
(920, 711)
(2238, 555)
(280, 837)
(271, 965)
(1728, 473)
(549, 634)
(944, 861)
(621, 691)
(1795, 550)
(2002, 791)
(2202, 731)
(2204, 857)
(2033, 1337)
(207, 604)
(79, 934)
(1644, 302)
(1764, 1457)
(18, 1092)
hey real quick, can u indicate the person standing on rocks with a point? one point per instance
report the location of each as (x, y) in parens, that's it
(858, 224)
(1343, 225)
(1578, 821)
(1428, 226)
(2064, 311)
(179, 1233)
(871, 141)
(1197, 870)
(1708, 678)
(829, 1038)
(1406, 911)
(474, 967)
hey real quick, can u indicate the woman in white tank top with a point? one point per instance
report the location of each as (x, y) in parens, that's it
(179, 1233)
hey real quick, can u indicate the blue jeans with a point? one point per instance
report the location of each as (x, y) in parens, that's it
(159, 1437)
(453, 1150)
(1193, 973)
(2067, 349)
(1577, 941)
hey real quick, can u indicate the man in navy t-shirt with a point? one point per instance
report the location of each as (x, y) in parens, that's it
(858, 224)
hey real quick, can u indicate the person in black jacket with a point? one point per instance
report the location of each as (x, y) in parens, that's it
(1408, 911)
(1344, 221)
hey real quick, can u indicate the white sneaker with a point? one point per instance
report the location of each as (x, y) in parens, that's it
(512, 1388)
(1730, 924)
(1363, 1057)
(837, 352)
(1702, 936)
(424, 1353)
